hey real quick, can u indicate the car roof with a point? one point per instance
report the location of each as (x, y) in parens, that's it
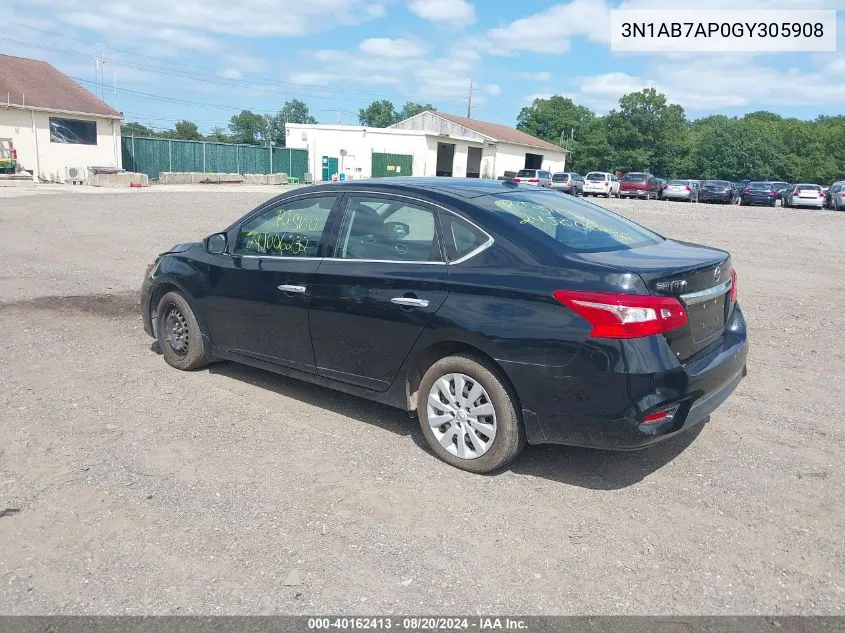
(457, 187)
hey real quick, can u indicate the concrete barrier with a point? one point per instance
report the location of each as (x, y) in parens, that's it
(122, 179)
(195, 178)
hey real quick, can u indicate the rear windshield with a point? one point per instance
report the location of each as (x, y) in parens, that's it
(560, 178)
(575, 225)
(717, 183)
(634, 178)
(808, 187)
(595, 175)
(678, 182)
(526, 173)
(760, 185)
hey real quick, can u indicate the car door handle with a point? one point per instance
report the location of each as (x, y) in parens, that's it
(411, 302)
(292, 288)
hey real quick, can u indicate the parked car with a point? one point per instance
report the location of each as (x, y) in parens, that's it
(685, 190)
(759, 193)
(638, 184)
(534, 177)
(722, 191)
(804, 195)
(498, 313)
(742, 184)
(568, 182)
(835, 196)
(601, 183)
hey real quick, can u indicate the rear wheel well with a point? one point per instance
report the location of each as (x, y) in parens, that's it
(431, 355)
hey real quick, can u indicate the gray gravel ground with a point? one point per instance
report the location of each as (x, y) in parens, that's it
(143, 489)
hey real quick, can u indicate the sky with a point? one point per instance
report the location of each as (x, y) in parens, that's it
(204, 60)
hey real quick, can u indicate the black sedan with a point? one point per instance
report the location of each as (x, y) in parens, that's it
(498, 313)
(722, 191)
(760, 193)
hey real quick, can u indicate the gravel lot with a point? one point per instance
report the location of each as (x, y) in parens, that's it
(142, 489)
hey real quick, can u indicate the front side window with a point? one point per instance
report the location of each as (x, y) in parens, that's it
(388, 230)
(575, 225)
(290, 229)
(73, 131)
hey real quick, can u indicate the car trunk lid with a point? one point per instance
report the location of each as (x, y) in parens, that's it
(699, 276)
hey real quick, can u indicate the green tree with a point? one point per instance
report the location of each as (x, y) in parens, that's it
(136, 129)
(413, 109)
(248, 127)
(186, 131)
(551, 118)
(378, 114)
(219, 135)
(295, 111)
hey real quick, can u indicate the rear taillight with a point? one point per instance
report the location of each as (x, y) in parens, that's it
(773, 193)
(616, 315)
(533, 181)
(733, 285)
(517, 180)
(14, 154)
(665, 187)
(797, 192)
(149, 270)
(745, 192)
(606, 183)
(842, 195)
(821, 194)
(687, 188)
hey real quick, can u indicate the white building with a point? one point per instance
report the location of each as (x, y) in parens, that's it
(428, 144)
(54, 123)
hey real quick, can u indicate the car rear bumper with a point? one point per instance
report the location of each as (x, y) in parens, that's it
(719, 196)
(807, 202)
(634, 192)
(676, 195)
(600, 398)
(600, 190)
(562, 187)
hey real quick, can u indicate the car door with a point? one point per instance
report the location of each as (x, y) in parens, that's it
(259, 290)
(377, 291)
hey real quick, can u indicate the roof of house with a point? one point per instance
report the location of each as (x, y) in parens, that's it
(38, 85)
(501, 133)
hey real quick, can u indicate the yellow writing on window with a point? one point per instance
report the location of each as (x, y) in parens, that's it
(281, 242)
(296, 221)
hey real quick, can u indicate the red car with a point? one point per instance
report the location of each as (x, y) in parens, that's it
(639, 184)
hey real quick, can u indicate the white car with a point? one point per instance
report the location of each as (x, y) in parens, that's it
(804, 195)
(601, 183)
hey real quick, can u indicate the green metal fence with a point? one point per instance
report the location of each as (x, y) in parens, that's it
(392, 165)
(152, 156)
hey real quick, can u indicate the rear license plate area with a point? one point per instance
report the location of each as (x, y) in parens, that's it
(707, 318)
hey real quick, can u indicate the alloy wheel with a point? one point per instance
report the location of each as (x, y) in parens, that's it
(461, 416)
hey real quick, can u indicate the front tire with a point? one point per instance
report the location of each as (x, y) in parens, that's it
(467, 414)
(179, 335)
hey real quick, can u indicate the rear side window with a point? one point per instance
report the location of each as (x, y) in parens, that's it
(460, 237)
(292, 229)
(574, 225)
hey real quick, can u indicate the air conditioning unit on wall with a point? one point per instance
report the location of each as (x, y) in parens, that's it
(76, 175)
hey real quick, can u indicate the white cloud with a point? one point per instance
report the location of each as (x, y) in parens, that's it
(231, 73)
(550, 31)
(540, 76)
(452, 12)
(386, 47)
(493, 90)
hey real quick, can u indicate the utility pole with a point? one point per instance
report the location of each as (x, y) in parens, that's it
(469, 101)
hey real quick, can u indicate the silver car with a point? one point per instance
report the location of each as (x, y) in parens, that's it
(568, 182)
(803, 195)
(835, 196)
(681, 190)
(539, 177)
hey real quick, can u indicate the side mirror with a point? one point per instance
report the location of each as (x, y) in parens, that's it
(216, 244)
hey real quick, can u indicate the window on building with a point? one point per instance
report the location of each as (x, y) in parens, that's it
(73, 131)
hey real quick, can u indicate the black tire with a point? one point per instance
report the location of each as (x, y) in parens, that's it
(186, 348)
(510, 434)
